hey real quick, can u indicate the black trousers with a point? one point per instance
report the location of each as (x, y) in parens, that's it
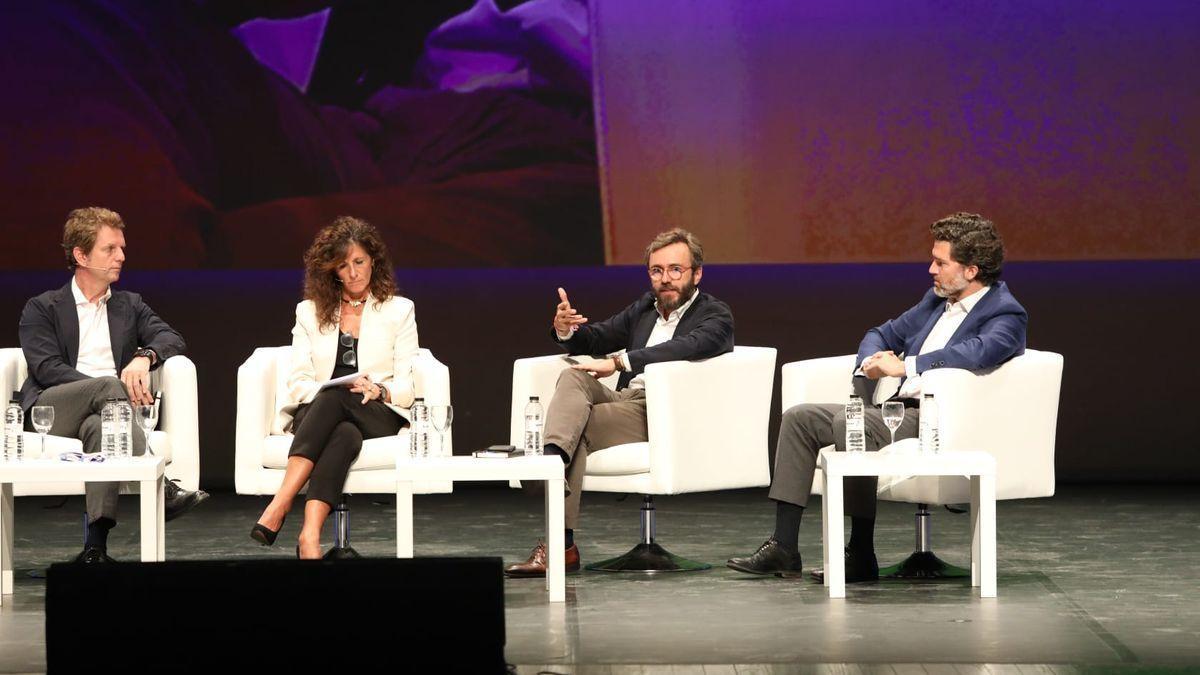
(330, 432)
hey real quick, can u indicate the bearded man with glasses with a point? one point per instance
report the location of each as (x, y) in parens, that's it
(672, 322)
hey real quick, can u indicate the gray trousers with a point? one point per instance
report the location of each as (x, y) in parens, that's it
(77, 407)
(585, 416)
(807, 428)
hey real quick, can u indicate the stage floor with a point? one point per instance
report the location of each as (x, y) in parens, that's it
(1098, 576)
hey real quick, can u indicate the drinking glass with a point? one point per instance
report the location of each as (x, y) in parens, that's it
(442, 417)
(147, 419)
(43, 419)
(893, 416)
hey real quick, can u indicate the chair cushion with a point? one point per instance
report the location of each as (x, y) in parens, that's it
(377, 453)
(620, 460)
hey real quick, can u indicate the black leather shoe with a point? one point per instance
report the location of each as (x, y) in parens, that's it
(770, 558)
(92, 554)
(859, 568)
(180, 501)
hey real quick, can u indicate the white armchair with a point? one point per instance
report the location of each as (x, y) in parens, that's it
(260, 456)
(177, 437)
(707, 424)
(1010, 412)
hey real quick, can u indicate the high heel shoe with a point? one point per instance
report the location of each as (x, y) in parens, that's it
(297, 551)
(263, 535)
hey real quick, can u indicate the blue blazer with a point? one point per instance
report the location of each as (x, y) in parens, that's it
(992, 333)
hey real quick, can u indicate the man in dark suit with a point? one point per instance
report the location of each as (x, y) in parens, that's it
(86, 343)
(967, 320)
(673, 322)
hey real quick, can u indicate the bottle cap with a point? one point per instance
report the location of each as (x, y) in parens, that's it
(533, 398)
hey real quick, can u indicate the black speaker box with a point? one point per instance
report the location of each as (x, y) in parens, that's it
(435, 615)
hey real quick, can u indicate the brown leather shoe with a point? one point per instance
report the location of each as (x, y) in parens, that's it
(535, 565)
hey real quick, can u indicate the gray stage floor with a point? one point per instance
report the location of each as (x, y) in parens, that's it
(1096, 578)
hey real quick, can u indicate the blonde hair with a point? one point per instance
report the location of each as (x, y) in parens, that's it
(678, 235)
(82, 227)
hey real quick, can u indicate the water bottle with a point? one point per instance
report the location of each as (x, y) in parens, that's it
(14, 425)
(929, 424)
(856, 439)
(108, 428)
(418, 434)
(124, 428)
(534, 418)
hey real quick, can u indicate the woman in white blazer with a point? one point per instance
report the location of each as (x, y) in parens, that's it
(351, 322)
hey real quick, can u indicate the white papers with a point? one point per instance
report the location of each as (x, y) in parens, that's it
(340, 381)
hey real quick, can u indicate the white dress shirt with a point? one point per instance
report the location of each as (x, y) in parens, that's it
(664, 329)
(953, 316)
(95, 342)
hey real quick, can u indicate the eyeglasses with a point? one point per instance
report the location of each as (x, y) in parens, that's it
(674, 272)
(348, 358)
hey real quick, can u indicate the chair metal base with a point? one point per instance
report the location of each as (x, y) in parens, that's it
(923, 565)
(648, 559)
(341, 553)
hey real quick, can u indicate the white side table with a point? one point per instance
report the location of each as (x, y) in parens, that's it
(979, 466)
(538, 467)
(146, 470)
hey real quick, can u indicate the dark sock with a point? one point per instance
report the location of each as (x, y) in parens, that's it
(552, 449)
(787, 524)
(862, 535)
(97, 533)
(568, 538)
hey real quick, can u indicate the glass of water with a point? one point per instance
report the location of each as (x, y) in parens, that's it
(893, 416)
(442, 417)
(43, 418)
(147, 419)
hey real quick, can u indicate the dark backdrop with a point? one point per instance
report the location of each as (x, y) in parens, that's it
(1125, 413)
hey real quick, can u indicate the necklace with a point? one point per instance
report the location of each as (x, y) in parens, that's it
(355, 304)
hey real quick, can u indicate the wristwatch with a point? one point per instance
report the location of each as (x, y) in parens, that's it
(383, 391)
(148, 353)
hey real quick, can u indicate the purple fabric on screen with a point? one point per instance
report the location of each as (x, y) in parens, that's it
(540, 44)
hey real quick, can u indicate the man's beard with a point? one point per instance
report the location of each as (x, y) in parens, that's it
(683, 294)
(957, 285)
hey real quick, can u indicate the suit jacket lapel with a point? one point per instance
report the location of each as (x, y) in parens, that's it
(914, 347)
(978, 313)
(118, 330)
(643, 328)
(68, 324)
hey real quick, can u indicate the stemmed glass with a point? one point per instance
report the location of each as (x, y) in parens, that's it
(43, 419)
(442, 417)
(147, 418)
(893, 416)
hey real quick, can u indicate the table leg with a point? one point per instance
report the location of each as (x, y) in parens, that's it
(556, 576)
(835, 565)
(151, 527)
(976, 535)
(825, 524)
(404, 519)
(987, 536)
(6, 539)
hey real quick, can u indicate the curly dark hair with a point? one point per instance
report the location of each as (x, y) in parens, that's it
(328, 250)
(973, 240)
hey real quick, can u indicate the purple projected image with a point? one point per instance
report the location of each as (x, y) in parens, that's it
(461, 129)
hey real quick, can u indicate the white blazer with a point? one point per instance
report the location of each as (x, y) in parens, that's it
(387, 344)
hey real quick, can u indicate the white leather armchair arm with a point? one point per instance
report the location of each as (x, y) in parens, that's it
(179, 418)
(431, 381)
(1010, 411)
(707, 421)
(537, 376)
(255, 412)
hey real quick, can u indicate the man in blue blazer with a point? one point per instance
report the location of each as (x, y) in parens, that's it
(967, 320)
(673, 322)
(85, 343)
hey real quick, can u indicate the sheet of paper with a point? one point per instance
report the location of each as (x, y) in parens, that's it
(341, 381)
